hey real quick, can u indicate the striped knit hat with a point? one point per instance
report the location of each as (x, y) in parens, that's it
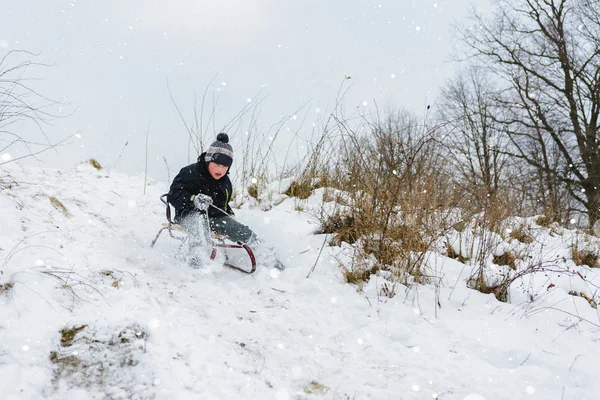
(220, 151)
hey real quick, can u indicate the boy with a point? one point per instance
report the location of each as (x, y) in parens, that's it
(206, 184)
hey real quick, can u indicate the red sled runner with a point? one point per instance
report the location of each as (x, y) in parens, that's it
(217, 242)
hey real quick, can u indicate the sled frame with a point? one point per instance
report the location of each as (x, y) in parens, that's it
(215, 240)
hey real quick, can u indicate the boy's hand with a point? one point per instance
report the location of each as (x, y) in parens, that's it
(202, 201)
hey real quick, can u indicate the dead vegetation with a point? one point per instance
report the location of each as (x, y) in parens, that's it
(5, 287)
(315, 387)
(67, 335)
(86, 358)
(585, 257)
(588, 298)
(455, 255)
(94, 163)
(60, 206)
(522, 235)
(507, 258)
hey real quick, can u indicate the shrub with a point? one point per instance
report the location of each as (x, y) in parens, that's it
(506, 258)
(521, 235)
(301, 189)
(585, 257)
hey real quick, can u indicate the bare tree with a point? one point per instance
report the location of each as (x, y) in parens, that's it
(21, 107)
(475, 139)
(547, 52)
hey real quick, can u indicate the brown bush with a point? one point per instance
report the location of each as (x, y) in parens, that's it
(520, 234)
(585, 257)
(301, 189)
(506, 258)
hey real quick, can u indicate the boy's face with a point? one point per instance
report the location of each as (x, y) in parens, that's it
(217, 171)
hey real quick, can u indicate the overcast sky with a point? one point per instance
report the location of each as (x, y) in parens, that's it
(112, 58)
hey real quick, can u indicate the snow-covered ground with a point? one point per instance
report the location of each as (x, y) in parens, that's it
(89, 311)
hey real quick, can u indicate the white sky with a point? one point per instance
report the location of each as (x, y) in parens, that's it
(111, 60)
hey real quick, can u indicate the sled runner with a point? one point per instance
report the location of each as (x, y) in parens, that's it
(235, 254)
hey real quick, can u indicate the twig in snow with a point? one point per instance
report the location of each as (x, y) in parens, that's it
(525, 360)
(574, 361)
(319, 256)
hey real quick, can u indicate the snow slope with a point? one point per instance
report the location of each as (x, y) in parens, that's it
(149, 327)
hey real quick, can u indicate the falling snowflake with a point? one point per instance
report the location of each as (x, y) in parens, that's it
(39, 263)
(131, 203)
(267, 220)
(530, 390)
(417, 349)
(78, 136)
(393, 76)
(6, 157)
(418, 28)
(154, 324)
(416, 388)
(274, 273)
(254, 180)
(364, 103)
(25, 348)
(249, 100)
(333, 300)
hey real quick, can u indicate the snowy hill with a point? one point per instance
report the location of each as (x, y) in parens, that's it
(89, 311)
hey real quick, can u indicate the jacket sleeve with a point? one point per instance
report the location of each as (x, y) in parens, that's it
(230, 193)
(180, 193)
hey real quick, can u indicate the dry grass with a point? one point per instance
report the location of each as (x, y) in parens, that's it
(359, 274)
(94, 163)
(520, 234)
(315, 387)
(544, 221)
(5, 287)
(301, 189)
(253, 191)
(585, 257)
(507, 258)
(583, 295)
(500, 291)
(342, 225)
(59, 206)
(451, 253)
(67, 335)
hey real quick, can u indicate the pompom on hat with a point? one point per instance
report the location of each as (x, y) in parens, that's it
(220, 151)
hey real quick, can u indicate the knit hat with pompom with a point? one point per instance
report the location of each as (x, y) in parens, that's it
(220, 151)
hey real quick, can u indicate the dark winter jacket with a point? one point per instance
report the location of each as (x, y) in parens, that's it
(195, 179)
